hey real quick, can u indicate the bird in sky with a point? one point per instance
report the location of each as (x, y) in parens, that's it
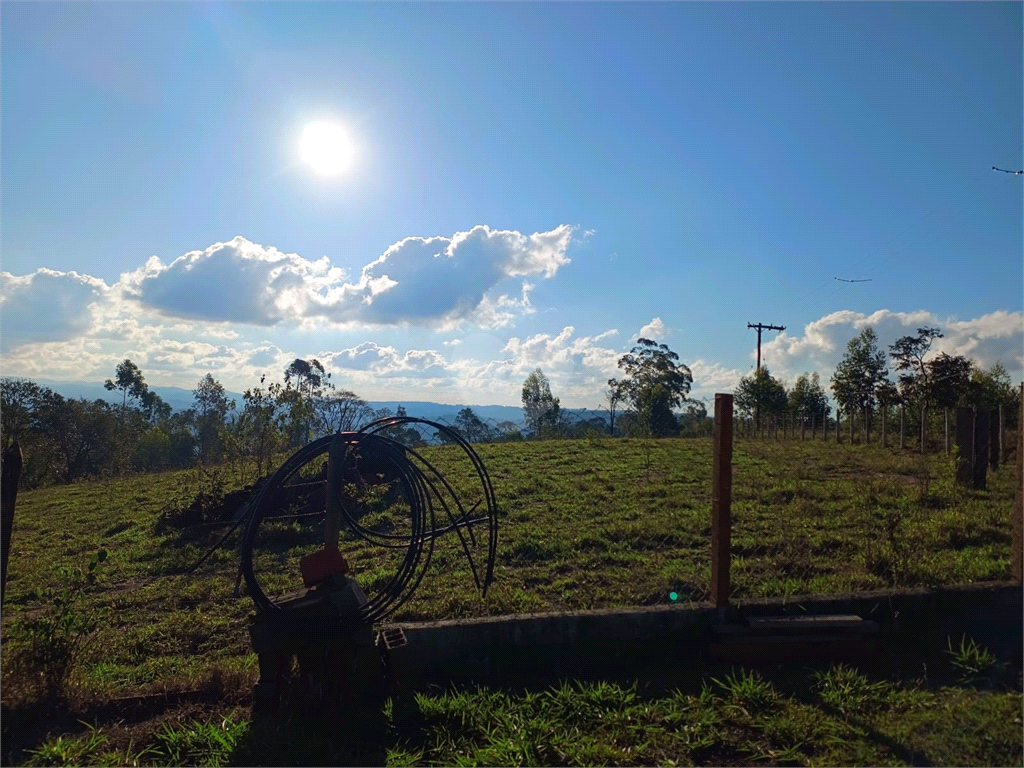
(844, 280)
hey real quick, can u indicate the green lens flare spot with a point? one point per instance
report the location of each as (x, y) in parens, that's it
(673, 595)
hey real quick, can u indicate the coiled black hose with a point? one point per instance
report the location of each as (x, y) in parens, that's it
(420, 488)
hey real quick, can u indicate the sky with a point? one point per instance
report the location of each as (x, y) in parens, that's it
(523, 185)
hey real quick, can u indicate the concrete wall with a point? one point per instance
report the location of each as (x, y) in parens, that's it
(668, 645)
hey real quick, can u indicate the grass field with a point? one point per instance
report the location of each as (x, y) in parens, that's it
(584, 524)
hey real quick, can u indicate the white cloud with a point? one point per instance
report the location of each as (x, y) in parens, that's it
(435, 281)
(48, 306)
(386, 360)
(711, 377)
(654, 330)
(995, 336)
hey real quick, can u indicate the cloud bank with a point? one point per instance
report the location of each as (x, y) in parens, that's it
(434, 281)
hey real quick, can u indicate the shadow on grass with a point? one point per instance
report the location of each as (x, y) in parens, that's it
(321, 735)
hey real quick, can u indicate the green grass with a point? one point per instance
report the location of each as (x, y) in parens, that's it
(584, 524)
(834, 717)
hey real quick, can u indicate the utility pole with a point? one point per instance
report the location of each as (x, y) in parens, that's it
(761, 327)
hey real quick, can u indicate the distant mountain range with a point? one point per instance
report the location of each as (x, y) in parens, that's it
(182, 399)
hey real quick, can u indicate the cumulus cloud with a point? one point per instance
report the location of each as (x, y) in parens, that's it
(710, 377)
(429, 281)
(386, 360)
(995, 336)
(654, 330)
(47, 306)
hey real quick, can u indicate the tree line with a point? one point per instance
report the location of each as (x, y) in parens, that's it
(67, 439)
(862, 385)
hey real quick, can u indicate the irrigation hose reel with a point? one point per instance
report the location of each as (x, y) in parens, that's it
(429, 503)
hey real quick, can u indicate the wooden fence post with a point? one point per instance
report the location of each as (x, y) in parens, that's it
(838, 415)
(1017, 554)
(903, 426)
(964, 446)
(721, 501)
(10, 473)
(884, 409)
(924, 431)
(993, 439)
(1002, 434)
(980, 448)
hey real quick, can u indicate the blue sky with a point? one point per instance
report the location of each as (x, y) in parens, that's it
(532, 185)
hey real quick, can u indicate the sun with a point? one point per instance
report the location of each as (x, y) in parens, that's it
(326, 148)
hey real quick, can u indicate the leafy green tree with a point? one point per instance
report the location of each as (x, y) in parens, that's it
(860, 372)
(654, 411)
(407, 435)
(19, 399)
(993, 388)
(471, 427)
(309, 375)
(540, 408)
(507, 432)
(761, 393)
(261, 425)
(807, 399)
(949, 380)
(653, 384)
(211, 409)
(128, 380)
(153, 407)
(694, 421)
(908, 353)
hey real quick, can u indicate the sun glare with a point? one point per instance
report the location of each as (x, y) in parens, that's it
(326, 148)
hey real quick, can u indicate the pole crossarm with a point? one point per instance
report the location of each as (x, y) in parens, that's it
(762, 327)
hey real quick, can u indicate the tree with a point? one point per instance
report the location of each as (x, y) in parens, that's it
(128, 380)
(694, 421)
(992, 388)
(761, 393)
(540, 408)
(507, 432)
(807, 399)
(19, 399)
(949, 380)
(650, 364)
(654, 412)
(153, 407)
(908, 353)
(339, 411)
(260, 425)
(612, 396)
(211, 409)
(860, 372)
(471, 427)
(406, 434)
(654, 384)
(310, 377)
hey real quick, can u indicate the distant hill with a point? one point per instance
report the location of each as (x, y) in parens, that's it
(181, 399)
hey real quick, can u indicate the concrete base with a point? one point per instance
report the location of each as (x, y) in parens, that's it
(665, 646)
(339, 663)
